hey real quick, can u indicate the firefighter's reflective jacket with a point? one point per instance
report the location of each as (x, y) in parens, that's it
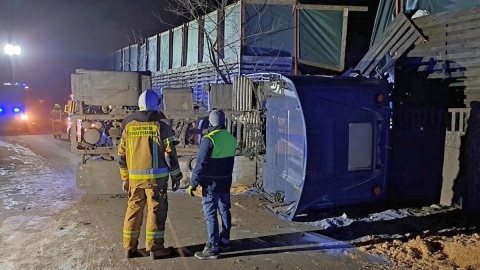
(147, 153)
(56, 114)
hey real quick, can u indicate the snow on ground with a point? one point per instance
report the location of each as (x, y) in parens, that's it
(30, 201)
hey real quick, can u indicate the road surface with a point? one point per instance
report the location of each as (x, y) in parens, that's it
(46, 223)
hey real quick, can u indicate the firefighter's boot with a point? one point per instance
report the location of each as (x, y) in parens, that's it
(129, 253)
(161, 253)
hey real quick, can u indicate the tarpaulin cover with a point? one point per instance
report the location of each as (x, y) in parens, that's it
(321, 36)
(386, 11)
(268, 30)
(210, 26)
(152, 53)
(177, 47)
(126, 59)
(142, 59)
(164, 51)
(192, 43)
(437, 6)
(232, 42)
(133, 57)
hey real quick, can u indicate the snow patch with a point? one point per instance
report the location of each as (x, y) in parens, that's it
(344, 220)
(21, 156)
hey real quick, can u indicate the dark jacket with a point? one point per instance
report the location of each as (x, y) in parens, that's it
(214, 167)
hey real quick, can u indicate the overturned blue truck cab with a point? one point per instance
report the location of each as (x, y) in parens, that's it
(326, 143)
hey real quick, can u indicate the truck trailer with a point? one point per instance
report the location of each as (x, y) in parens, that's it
(315, 142)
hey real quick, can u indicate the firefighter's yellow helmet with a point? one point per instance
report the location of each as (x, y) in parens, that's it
(57, 106)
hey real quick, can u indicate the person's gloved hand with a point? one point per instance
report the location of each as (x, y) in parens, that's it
(175, 185)
(190, 190)
(125, 186)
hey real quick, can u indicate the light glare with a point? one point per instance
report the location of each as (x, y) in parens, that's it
(13, 49)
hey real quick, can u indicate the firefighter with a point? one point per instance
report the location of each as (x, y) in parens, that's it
(213, 172)
(56, 117)
(147, 159)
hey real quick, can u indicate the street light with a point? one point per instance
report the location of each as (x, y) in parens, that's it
(12, 50)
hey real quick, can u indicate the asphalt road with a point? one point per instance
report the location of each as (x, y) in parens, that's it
(47, 223)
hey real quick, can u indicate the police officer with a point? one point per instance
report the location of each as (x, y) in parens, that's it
(147, 159)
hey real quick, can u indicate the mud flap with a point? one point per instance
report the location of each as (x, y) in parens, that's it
(99, 177)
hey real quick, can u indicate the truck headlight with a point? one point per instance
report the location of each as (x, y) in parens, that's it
(24, 117)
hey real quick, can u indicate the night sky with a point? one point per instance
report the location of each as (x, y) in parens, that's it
(59, 36)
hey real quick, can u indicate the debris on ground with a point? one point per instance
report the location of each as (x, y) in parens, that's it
(238, 189)
(461, 251)
(433, 237)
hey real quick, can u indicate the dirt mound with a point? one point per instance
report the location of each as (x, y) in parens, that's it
(461, 251)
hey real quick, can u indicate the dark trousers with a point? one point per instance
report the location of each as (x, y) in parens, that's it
(213, 202)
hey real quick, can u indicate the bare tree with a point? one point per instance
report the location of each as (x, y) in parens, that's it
(215, 43)
(139, 41)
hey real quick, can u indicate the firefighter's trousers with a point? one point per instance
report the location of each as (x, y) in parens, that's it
(57, 128)
(157, 203)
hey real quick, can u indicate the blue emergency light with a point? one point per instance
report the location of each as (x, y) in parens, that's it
(1, 110)
(16, 110)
